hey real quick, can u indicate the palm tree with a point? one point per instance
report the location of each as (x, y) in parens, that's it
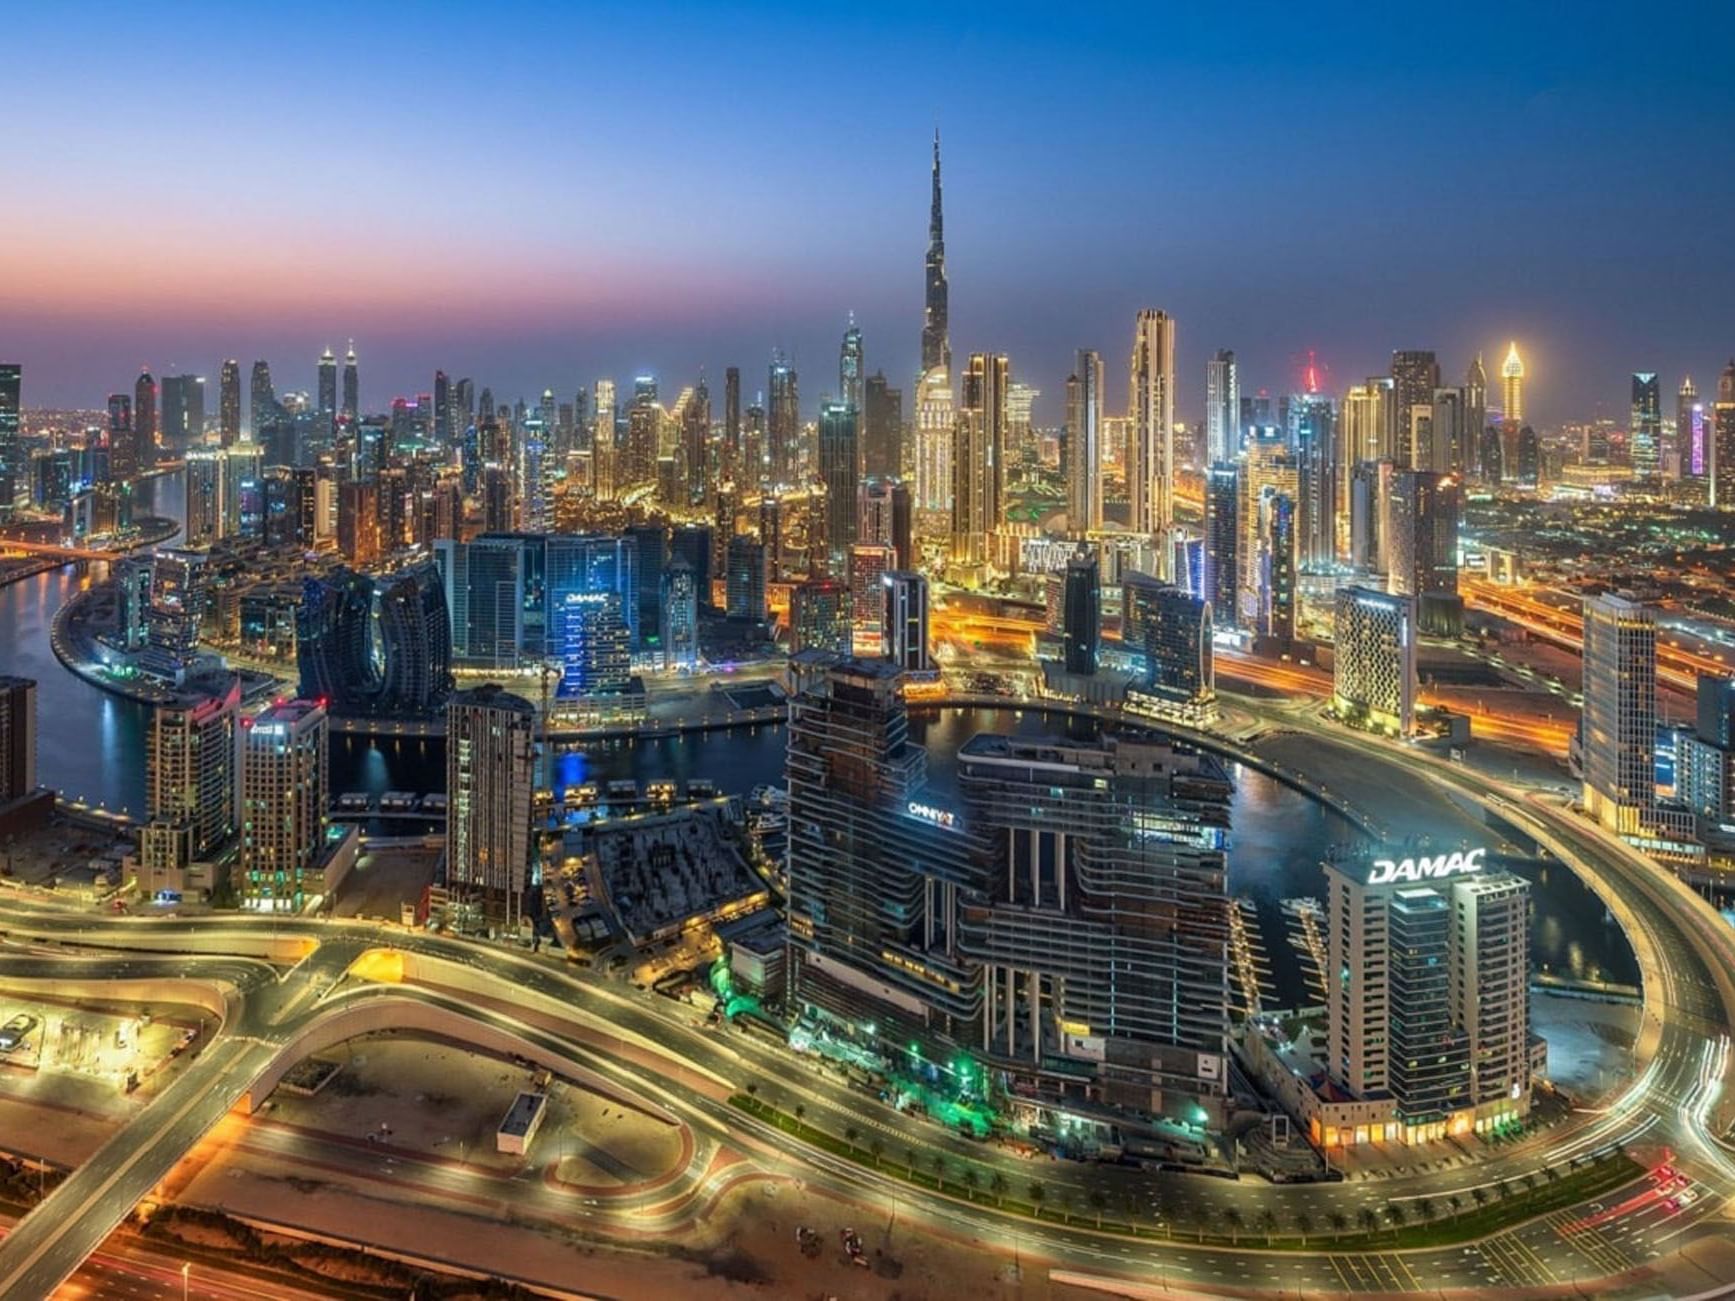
(910, 1158)
(850, 1134)
(1337, 1221)
(1425, 1207)
(1395, 1212)
(1456, 1202)
(1098, 1202)
(1037, 1193)
(1232, 1217)
(1268, 1222)
(939, 1164)
(876, 1145)
(1304, 1224)
(998, 1186)
(1367, 1219)
(753, 1088)
(800, 1112)
(1479, 1195)
(971, 1179)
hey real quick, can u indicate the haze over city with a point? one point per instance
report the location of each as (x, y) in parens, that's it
(548, 193)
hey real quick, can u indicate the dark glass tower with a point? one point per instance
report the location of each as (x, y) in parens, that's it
(1082, 614)
(936, 340)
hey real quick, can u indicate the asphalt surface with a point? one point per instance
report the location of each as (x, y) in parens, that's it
(1673, 1104)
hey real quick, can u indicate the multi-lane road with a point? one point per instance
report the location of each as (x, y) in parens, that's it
(660, 1055)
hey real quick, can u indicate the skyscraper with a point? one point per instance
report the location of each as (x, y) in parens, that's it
(819, 616)
(351, 408)
(1723, 441)
(1374, 658)
(936, 439)
(17, 738)
(123, 446)
(986, 386)
(1647, 425)
(783, 421)
(906, 621)
(1688, 453)
(1081, 614)
(229, 403)
(936, 339)
(1619, 723)
(882, 425)
(326, 408)
(1474, 404)
(1415, 376)
(1512, 387)
(262, 403)
(838, 472)
(744, 578)
(183, 411)
(681, 615)
(733, 468)
(190, 768)
(1084, 444)
(11, 451)
(145, 417)
(442, 406)
(869, 563)
(1221, 579)
(1151, 408)
(1222, 408)
(1422, 547)
(490, 781)
(849, 367)
(283, 806)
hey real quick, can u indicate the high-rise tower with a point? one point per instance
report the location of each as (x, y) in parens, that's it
(1084, 444)
(1151, 408)
(1222, 408)
(936, 342)
(327, 392)
(1512, 387)
(229, 403)
(849, 367)
(351, 385)
(1647, 425)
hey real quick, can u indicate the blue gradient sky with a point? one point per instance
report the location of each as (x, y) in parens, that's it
(541, 194)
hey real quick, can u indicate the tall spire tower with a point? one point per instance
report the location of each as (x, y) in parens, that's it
(936, 344)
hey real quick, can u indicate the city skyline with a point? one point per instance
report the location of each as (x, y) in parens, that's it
(563, 252)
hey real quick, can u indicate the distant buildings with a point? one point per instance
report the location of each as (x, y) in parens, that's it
(1084, 450)
(1422, 547)
(1151, 407)
(490, 780)
(1374, 658)
(1619, 720)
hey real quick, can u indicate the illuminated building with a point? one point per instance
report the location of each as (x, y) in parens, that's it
(1151, 407)
(1268, 469)
(744, 579)
(1317, 477)
(875, 871)
(1084, 444)
(1274, 608)
(1512, 388)
(1427, 1000)
(819, 616)
(1473, 402)
(1705, 765)
(326, 403)
(883, 516)
(351, 408)
(1689, 449)
(123, 444)
(375, 647)
(1374, 658)
(1415, 376)
(1619, 720)
(190, 768)
(733, 461)
(906, 621)
(1081, 614)
(1529, 457)
(1173, 630)
(591, 644)
(229, 403)
(849, 367)
(695, 544)
(839, 471)
(681, 615)
(979, 462)
(1222, 408)
(936, 339)
(1646, 431)
(282, 806)
(1100, 929)
(935, 436)
(442, 399)
(490, 781)
(1722, 459)
(604, 470)
(783, 422)
(11, 448)
(1221, 578)
(869, 563)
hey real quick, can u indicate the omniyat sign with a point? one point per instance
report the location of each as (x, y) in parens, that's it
(1459, 862)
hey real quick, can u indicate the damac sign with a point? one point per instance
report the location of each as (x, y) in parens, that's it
(1459, 861)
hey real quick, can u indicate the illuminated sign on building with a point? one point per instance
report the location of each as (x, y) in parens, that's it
(928, 813)
(1385, 871)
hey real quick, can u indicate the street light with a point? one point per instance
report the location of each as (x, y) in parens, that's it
(186, 1272)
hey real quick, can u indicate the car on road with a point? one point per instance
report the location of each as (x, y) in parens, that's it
(15, 1031)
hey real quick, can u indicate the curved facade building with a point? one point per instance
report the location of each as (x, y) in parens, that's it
(375, 647)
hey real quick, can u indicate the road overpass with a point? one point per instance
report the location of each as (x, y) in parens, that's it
(643, 1045)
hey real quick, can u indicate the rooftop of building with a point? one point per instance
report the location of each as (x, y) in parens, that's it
(522, 1113)
(289, 712)
(491, 695)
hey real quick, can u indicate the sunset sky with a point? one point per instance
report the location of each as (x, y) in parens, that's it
(541, 194)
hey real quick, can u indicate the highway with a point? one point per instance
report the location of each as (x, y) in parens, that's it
(658, 1053)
